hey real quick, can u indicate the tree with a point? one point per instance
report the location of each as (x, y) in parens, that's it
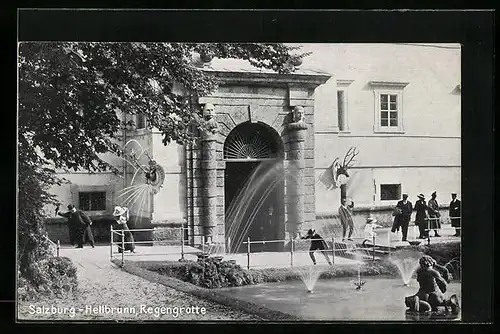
(70, 94)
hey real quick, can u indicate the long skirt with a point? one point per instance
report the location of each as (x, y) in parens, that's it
(434, 222)
(128, 239)
(455, 222)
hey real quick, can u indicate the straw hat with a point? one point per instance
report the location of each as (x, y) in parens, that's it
(370, 220)
(119, 211)
(421, 196)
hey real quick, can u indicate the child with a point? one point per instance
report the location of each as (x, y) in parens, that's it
(370, 225)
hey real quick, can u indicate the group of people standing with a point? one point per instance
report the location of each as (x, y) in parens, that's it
(80, 231)
(427, 215)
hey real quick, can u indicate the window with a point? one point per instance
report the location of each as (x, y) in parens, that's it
(388, 110)
(341, 110)
(140, 122)
(388, 106)
(390, 192)
(92, 200)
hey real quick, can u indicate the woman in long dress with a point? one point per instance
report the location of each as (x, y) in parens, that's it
(121, 215)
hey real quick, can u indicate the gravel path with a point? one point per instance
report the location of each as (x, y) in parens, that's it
(134, 298)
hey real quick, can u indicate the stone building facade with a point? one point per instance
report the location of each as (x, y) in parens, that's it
(340, 89)
(279, 108)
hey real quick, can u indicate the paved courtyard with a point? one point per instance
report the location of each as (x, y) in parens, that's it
(101, 284)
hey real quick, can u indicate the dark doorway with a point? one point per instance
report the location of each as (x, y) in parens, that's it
(260, 213)
(254, 183)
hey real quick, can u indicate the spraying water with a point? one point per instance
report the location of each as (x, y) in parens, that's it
(309, 275)
(137, 194)
(407, 262)
(250, 198)
(359, 262)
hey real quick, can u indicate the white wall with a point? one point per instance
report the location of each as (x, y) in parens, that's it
(169, 203)
(426, 157)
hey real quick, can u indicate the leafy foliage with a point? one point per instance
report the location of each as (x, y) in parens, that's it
(70, 94)
(53, 276)
(33, 242)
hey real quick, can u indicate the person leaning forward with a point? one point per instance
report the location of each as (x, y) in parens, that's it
(317, 243)
(81, 223)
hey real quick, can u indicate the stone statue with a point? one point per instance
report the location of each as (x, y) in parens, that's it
(208, 111)
(430, 295)
(209, 116)
(298, 114)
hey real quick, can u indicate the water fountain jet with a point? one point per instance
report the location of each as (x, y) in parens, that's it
(407, 262)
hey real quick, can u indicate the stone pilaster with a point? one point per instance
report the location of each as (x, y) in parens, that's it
(295, 188)
(209, 176)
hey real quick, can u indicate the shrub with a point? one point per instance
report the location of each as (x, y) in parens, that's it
(38, 271)
(54, 276)
(208, 273)
(212, 273)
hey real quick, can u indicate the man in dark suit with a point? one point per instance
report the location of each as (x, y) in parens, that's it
(81, 223)
(421, 216)
(403, 211)
(454, 211)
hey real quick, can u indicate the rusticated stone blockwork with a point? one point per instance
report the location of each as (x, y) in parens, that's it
(269, 100)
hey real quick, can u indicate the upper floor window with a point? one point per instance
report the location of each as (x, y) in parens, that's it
(388, 106)
(342, 117)
(342, 111)
(388, 110)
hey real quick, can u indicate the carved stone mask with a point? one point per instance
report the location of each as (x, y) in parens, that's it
(298, 114)
(209, 111)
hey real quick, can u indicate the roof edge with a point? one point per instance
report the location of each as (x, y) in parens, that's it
(242, 77)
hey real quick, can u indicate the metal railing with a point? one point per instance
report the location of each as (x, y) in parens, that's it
(293, 251)
(203, 247)
(428, 229)
(121, 243)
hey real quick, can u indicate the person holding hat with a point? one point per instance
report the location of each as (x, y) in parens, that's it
(346, 218)
(80, 224)
(317, 243)
(421, 215)
(71, 225)
(454, 212)
(402, 215)
(121, 215)
(434, 215)
(371, 223)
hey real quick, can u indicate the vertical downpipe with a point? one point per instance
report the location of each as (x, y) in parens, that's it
(111, 244)
(248, 253)
(333, 250)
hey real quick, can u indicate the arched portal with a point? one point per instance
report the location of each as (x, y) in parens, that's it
(254, 187)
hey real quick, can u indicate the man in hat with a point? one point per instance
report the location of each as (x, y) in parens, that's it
(81, 223)
(346, 218)
(434, 215)
(402, 216)
(454, 211)
(71, 227)
(420, 217)
(317, 243)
